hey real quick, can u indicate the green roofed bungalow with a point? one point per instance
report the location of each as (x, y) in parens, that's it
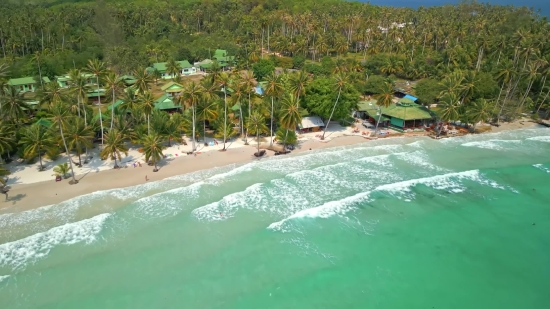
(406, 115)
(171, 88)
(186, 69)
(165, 102)
(223, 58)
(128, 80)
(65, 80)
(94, 93)
(25, 84)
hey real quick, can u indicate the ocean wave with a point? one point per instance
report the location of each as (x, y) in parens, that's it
(326, 210)
(4, 278)
(19, 253)
(542, 168)
(166, 203)
(298, 190)
(419, 158)
(494, 144)
(399, 189)
(540, 139)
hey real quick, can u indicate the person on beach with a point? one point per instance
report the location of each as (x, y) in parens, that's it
(146, 179)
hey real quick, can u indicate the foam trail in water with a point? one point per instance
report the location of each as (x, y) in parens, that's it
(341, 207)
(540, 139)
(494, 144)
(19, 253)
(542, 168)
(326, 210)
(3, 278)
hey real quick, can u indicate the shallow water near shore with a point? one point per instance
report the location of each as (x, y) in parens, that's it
(395, 223)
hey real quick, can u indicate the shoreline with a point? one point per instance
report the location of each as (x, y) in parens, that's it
(33, 195)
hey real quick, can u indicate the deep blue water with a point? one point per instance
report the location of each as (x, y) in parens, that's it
(543, 5)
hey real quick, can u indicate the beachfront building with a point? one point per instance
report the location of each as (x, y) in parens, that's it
(401, 116)
(204, 65)
(186, 69)
(27, 84)
(311, 124)
(172, 89)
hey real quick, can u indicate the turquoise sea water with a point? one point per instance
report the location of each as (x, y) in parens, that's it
(396, 223)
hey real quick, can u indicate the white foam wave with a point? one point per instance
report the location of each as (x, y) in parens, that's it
(166, 203)
(4, 278)
(19, 253)
(341, 207)
(419, 158)
(494, 144)
(540, 139)
(326, 210)
(542, 168)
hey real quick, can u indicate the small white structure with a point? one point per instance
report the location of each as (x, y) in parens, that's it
(311, 123)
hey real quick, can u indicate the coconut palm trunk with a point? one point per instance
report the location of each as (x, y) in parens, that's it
(99, 109)
(378, 121)
(68, 154)
(331, 113)
(194, 134)
(113, 111)
(271, 128)
(249, 113)
(224, 116)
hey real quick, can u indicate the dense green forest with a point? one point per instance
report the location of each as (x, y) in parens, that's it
(473, 59)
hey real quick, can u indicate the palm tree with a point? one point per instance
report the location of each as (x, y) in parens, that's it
(80, 88)
(223, 82)
(51, 93)
(256, 125)
(3, 172)
(290, 115)
(481, 111)
(147, 104)
(249, 84)
(152, 148)
(298, 83)
(143, 79)
(115, 85)
(61, 170)
(130, 102)
(173, 68)
(340, 80)
(384, 98)
(36, 57)
(97, 68)
(13, 106)
(36, 140)
(114, 146)
(449, 107)
(191, 96)
(7, 137)
(273, 89)
(60, 116)
(79, 137)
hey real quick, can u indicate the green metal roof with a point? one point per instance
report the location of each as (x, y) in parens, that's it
(94, 93)
(161, 66)
(117, 103)
(26, 81)
(172, 87)
(407, 111)
(165, 102)
(236, 107)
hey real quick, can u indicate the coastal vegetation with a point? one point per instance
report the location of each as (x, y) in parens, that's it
(477, 62)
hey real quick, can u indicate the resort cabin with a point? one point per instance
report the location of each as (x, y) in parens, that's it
(311, 124)
(368, 110)
(223, 59)
(166, 103)
(65, 80)
(204, 65)
(186, 69)
(26, 84)
(172, 89)
(404, 115)
(128, 80)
